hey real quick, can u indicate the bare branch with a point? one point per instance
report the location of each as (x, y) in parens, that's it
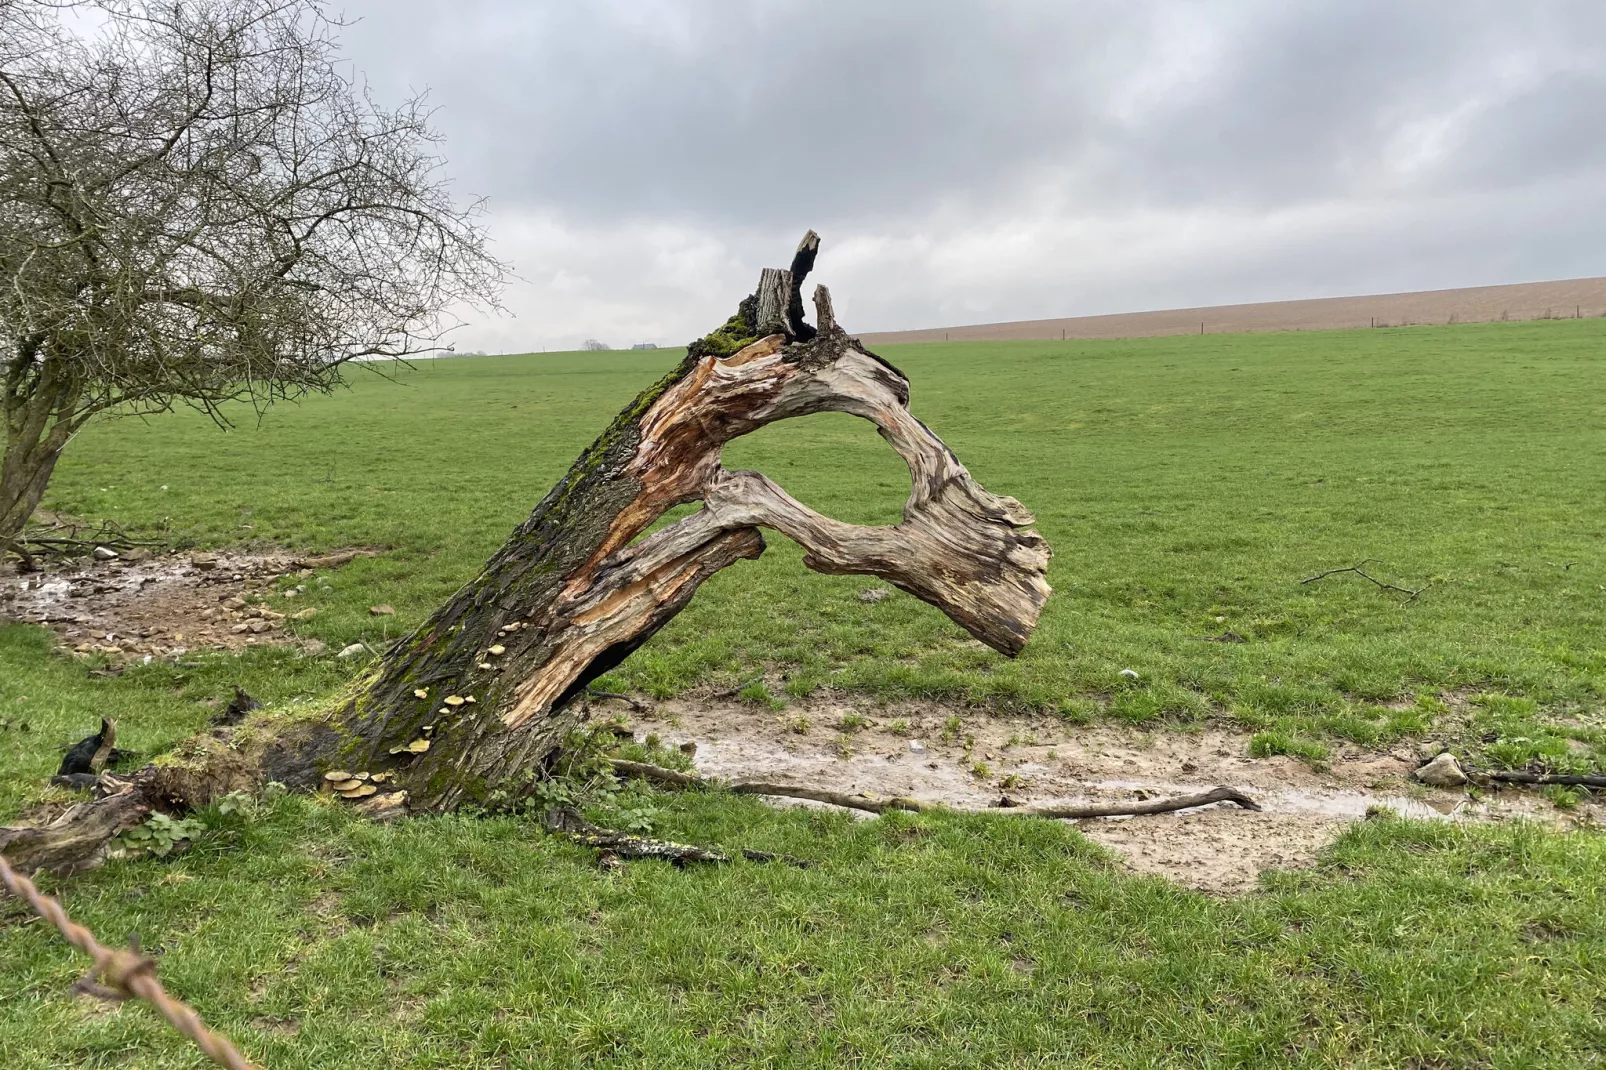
(1411, 596)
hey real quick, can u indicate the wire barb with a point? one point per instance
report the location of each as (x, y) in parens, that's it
(123, 973)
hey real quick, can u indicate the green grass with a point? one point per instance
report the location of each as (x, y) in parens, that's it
(1179, 480)
(1186, 484)
(919, 941)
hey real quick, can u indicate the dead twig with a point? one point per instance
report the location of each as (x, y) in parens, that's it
(1411, 596)
(873, 804)
(634, 703)
(123, 974)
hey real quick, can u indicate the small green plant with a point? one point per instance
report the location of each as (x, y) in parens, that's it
(900, 727)
(798, 725)
(640, 819)
(1564, 796)
(1266, 744)
(843, 745)
(1013, 780)
(981, 771)
(853, 722)
(157, 836)
(950, 728)
(759, 695)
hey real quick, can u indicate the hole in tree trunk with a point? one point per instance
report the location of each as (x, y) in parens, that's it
(834, 463)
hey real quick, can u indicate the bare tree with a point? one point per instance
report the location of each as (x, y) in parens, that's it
(591, 345)
(197, 206)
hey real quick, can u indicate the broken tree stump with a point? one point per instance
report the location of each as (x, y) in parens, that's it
(475, 704)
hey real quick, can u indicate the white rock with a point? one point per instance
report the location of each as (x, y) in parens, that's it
(1442, 772)
(102, 553)
(1130, 674)
(351, 651)
(916, 747)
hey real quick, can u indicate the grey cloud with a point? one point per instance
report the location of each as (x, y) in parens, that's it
(1071, 132)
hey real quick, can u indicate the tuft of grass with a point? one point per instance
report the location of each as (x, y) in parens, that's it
(1267, 744)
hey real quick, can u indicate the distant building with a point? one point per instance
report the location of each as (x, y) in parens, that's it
(645, 345)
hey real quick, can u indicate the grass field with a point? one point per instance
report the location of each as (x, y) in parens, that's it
(1187, 485)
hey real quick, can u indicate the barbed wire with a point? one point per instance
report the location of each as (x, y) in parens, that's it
(123, 973)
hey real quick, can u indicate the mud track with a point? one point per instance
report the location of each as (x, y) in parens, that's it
(162, 605)
(915, 750)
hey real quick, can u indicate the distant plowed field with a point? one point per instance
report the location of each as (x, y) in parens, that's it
(1476, 304)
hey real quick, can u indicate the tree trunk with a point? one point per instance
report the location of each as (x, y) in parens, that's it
(40, 408)
(475, 704)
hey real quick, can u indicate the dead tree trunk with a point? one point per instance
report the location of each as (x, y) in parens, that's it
(474, 705)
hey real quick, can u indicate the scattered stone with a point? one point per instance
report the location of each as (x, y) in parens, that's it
(305, 614)
(1442, 772)
(241, 628)
(1130, 674)
(1430, 750)
(688, 748)
(382, 610)
(257, 627)
(351, 651)
(235, 603)
(103, 553)
(874, 594)
(916, 747)
(204, 562)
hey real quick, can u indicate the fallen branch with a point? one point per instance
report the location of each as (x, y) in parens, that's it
(334, 560)
(1587, 780)
(1411, 596)
(634, 703)
(567, 822)
(879, 805)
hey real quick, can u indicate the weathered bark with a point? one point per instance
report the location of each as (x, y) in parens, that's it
(40, 406)
(474, 705)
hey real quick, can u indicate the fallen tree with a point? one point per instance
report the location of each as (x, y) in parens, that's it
(474, 706)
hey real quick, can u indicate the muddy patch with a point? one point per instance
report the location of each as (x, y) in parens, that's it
(167, 605)
(973, 759)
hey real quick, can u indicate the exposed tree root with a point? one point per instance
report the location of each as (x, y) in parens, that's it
(878, 805)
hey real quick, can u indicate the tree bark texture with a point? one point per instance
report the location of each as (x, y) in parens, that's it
(40, 408)
(475, 704)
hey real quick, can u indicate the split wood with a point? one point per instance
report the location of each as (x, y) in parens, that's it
(878, 805)
(1411, 595)
(123, 973)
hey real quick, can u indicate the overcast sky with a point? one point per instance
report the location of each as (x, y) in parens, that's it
(977, 161)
